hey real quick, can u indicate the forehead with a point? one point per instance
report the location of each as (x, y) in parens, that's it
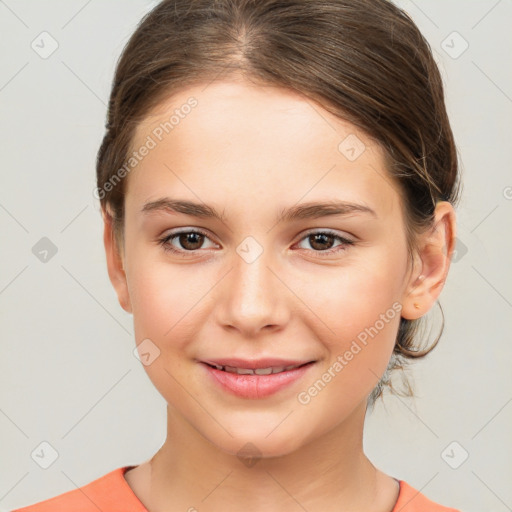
(240, 138)
(228, 106)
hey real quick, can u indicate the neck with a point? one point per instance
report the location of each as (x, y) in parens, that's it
(330, 473)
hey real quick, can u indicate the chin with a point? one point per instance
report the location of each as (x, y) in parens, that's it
(248, 444)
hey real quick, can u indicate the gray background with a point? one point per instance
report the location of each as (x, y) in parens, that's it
(68, 374)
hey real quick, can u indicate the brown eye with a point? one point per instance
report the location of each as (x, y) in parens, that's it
(191, 241)
(321, 241)
(184, 241)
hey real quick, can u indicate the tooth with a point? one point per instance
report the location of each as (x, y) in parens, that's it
(263, 371)
(244, 371)
(258, 371)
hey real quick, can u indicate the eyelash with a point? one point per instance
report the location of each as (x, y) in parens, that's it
(164, 242)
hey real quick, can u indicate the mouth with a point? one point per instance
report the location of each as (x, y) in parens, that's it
(255, 379)
(257, 371)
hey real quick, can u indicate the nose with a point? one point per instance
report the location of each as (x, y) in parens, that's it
(252, 298)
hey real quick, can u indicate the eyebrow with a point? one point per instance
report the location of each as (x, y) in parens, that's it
(310, 210)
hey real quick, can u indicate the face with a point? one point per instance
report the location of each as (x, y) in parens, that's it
(273, 281)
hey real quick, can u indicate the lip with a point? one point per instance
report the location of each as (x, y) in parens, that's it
(255, 386)
(256, 363)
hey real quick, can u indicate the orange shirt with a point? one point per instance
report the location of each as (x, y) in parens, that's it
(111, 493)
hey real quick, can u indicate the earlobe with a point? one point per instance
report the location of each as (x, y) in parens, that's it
(434, 256)
(115, 264)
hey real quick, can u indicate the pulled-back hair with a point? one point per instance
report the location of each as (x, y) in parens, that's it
(365, 61)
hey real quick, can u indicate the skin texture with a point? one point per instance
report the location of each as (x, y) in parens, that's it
(250, 152)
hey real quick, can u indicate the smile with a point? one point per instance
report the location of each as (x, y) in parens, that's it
(255, 380)
(256, 371)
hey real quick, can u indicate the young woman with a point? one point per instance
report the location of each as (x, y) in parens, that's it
(277, 181)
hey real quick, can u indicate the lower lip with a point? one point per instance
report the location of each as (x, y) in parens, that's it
(256, 386)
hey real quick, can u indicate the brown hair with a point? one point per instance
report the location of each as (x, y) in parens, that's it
(362, 60)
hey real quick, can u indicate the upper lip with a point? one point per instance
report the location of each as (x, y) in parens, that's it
(256, 363)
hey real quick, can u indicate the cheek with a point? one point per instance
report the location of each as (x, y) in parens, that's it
(165, 308)
(358, 352)
(360, 312)
(350, 299)
(160, 298)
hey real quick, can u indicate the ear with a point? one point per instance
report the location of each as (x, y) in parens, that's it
(435, 249)
(115, 263)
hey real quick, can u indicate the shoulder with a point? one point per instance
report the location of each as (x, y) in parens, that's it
(108, 493)
(411, 500)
